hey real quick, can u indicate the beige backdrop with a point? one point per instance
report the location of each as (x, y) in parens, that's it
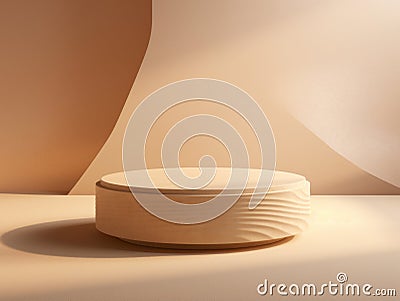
(66, 68)
(267, 48)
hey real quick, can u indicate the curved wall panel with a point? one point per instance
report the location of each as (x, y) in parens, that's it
(66, 68)
(267, 48)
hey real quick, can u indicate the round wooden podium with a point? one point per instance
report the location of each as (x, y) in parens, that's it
(283, 212)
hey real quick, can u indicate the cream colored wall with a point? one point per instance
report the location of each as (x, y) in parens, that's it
(279, 52)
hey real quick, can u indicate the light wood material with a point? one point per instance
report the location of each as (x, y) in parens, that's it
(209, 246)
(284, 212)
(282, 181)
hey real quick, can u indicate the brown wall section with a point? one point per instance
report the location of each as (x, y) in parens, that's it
(66, 68)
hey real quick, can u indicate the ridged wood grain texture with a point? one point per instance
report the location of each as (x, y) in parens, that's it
(281, 214)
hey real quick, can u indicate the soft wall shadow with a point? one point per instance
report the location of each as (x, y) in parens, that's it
(80, 238)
